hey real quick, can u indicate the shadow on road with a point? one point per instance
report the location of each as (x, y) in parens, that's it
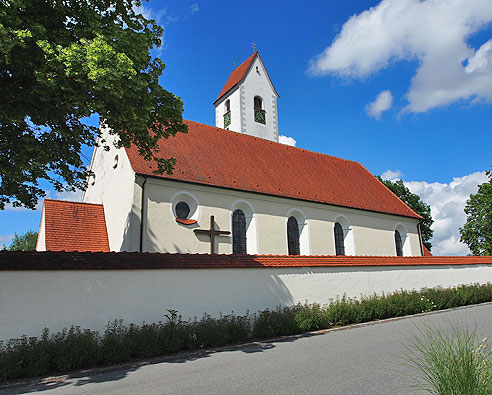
(118, 372)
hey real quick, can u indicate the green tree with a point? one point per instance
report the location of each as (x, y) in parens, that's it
(477, 231)
(413, 201)
(25, 242)
(62, 62)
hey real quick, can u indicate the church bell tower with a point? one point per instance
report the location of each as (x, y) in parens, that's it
(248, 101)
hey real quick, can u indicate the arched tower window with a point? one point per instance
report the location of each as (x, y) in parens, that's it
(260, 115)
(293, 236)
(398, 244)
(339, 242)
(258, 102)
(227, 114)
(239, 232)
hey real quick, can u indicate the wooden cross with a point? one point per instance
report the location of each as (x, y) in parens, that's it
(212, 233)
(253, 45)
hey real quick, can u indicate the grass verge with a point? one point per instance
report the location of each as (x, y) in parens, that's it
(77, 348)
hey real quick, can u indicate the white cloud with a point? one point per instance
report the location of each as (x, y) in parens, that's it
(434, 32)
(145, 11)
(447, 202)
(66, 195)
(5, 240)
(287, 140)
(69, 195)
(391, 175)
(194, 8)
(382, 103)
(38, 206)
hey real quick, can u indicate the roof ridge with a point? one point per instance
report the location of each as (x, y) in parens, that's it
(276, 142)
(72, 202)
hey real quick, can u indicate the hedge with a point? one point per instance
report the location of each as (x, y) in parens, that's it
(77, 348)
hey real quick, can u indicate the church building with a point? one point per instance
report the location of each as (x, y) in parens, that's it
(235, 190)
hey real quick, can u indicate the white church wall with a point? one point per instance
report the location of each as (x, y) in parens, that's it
(33, 300)
(372, 233)
(113, 186)
(41, 241)
(256, 84)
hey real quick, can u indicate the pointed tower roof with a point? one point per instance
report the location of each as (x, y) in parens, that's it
(238, 75)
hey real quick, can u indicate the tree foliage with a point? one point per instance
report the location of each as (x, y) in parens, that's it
(61, 62)
(413, 201)
(25, 242)
(477, 231)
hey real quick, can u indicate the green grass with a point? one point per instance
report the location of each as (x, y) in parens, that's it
(450, 362)
(77, 348)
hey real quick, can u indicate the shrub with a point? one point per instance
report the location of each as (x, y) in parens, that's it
(450, 362)
(279, 322)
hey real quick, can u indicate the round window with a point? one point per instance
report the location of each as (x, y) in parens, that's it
(182, 210)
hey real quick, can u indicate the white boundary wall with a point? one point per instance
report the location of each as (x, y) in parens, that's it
(32, 300)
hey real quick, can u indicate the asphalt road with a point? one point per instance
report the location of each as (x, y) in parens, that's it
(360, 360)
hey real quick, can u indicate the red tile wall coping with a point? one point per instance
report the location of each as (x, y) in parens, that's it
(20, 260)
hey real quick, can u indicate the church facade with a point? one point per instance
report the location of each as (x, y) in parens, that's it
(236, 190)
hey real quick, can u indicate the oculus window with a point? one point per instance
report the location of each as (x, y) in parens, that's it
(182, 210)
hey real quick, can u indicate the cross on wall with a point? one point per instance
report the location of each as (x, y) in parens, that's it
(212, 233)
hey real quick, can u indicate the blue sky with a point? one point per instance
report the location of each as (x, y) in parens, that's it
(402, 86)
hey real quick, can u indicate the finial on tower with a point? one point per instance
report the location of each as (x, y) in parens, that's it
(253, 45)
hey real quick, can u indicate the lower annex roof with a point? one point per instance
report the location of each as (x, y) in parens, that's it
(74, 226)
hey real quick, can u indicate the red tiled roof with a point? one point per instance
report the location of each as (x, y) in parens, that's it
(217, 157)
(237, 75)
(20, 260)
(75, 226)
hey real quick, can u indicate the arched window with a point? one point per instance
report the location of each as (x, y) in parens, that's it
(260, 115)
(339, 242)
(398, 243)
(293, 236)
(239, 232)
(227, 114)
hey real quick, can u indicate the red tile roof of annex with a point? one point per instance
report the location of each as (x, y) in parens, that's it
(216, 157)
(75, 226)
